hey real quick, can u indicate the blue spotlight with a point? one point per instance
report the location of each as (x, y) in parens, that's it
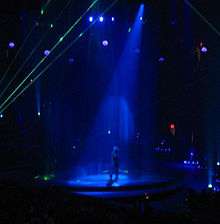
(105, 43)
(161, 59)
(185, 162)
(11, 45)
(218, 163)
(38, 114)
(204, 49)
(1, 116)
(109, 132)
(141, 18)
(113, 19)
(90, 19)
(46, 53)
(210, 186)
(101, 19)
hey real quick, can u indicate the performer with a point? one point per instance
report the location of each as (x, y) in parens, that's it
(115, 163)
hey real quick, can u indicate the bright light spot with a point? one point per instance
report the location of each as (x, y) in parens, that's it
(191, 154)
(172, 126)
(51, 25)
(61, 39)
(109, 132)
(46, 52)
(42, 12)
(74, 147)
(101, 19)
(1, 116)
(210, 186)
(185, 162)
(161, 59)
(129, 29)
(105, 43)
(38, 113)
(11, 44)
(113, 19)
(204, 49)
(90, 19)
(141, 18)
(218, 163)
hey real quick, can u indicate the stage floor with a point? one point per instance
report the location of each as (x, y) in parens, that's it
(101, 186)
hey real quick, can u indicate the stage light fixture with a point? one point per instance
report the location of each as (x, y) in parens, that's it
(105, 43)
(210, 186)
(90, 19)
(109, 132)
(46, 52)
(161, 59)
(218, 163)
(11, 45)
(204, 49)
(101, 19)
(113, 19)
(1, 116)
(38, 114)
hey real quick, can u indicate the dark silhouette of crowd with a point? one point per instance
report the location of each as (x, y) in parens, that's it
(52, 205)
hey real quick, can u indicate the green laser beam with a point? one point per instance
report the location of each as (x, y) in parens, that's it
(53, 48)
(20, 49)
(202, 17)
(55, 59)
(32, 52)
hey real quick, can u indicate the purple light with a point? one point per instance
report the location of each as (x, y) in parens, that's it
(161, 59)
(46, 52)
(90, 19)
(105, 43)
(101, 19)
(204, 49)
(71, 60)
(11, 44)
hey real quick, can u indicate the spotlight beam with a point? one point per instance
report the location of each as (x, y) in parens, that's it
(202, 17)
(55, 59)
(32, 52)
(19, 51)
(45, 57)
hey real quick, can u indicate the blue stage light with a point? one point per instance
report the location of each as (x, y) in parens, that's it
(218, 163)
(101, 19)
(46, 52)
(90, 19)
(11, 45)
(185, 162)
(38, 113)
(109, 132)
(113, 19)
(141, 18)
(210, 186)
(161, 59)
(204, 49)
(105, 43)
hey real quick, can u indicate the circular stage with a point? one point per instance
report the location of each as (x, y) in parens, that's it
(126, 186)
